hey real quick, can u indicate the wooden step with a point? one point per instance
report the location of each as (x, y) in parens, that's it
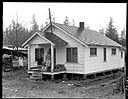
(36, 74)
(35, 77)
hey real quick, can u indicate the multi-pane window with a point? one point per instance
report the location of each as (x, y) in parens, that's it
(113, 51)
(39, 51)
(71, 54)
(93, 51)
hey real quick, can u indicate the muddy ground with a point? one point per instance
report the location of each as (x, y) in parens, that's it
(17, 84)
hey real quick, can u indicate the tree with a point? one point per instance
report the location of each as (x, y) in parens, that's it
(73, 22)
(66, 21)
(123, 38)
(41, 27)
(111, 31)
(15, 34)
(101, 31)
(35, 26)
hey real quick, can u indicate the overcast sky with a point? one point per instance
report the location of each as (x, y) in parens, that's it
(95, 15)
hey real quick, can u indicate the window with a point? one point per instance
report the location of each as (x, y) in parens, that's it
(113, 51)
(121, 54)
(104, 54)
(93, 51)
(39, 51)
(71, 54)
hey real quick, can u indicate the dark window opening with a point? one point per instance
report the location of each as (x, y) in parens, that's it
(105, 55)
(39, 52)
(113, 51)
(93, 51)
(121, 54)
(71, 54)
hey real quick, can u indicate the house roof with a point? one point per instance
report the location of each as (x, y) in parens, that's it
(86, 36)
(36, 33)
(89, 37)
(55, 39)
(50, 37)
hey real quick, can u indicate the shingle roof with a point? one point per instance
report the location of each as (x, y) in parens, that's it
(55, 39)
(89, 37)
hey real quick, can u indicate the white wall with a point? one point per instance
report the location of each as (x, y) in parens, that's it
(32, 61)
(38, 40)
(96, 63)
(61, 52)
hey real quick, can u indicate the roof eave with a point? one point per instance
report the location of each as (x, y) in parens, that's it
(36, 33)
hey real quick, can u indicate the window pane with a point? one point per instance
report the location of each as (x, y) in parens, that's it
(71, 54)
(74, 51)
(113, 51)
(68, 55)
(93, 51)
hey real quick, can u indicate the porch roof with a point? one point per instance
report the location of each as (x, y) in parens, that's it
(54, 38)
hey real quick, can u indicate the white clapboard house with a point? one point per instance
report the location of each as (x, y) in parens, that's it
(80, 50)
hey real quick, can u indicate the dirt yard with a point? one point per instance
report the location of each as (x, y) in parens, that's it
(17, 84)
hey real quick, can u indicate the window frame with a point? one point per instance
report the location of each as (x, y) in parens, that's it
(91, 51)
(72, 55)
(113, 49)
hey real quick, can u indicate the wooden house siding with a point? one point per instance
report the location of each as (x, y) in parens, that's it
(38, 40)
(60, 55)
(61, 52)
(85, 64)
(96, 63)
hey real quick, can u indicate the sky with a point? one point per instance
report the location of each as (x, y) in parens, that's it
(95, 15)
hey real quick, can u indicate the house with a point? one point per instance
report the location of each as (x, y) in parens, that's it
(80, 50)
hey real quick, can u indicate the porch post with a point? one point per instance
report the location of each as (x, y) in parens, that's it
(52, 58)
(28, 57)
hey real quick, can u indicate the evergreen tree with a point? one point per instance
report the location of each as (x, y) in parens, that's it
(111, 31)
(73, 22)
(66, 21)
(35, 26)
(101, 31)
(41, 27)
(123, 38)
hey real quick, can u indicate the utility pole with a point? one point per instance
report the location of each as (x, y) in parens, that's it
(50, 20)
(16, 34)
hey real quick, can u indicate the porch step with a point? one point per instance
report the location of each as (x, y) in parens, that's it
(36, 76)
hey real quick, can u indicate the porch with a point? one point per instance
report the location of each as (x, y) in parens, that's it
(45, 55)
(39, 72)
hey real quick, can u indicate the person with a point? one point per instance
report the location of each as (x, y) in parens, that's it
(21, 61)
(39, 60)
(48, 59)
